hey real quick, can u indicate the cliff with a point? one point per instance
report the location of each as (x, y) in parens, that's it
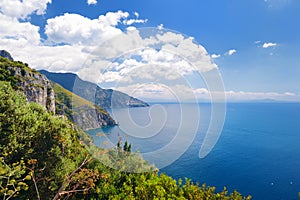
(84, 113)
(105, 98)
(35, 85)
(53, 97)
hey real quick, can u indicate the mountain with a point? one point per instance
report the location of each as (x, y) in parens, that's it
(105, 98)
(53, 97)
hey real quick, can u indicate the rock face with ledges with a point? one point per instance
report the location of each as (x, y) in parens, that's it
(35, 85)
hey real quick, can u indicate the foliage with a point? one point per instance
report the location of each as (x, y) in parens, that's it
(8, 71)
(72, 105)
(46, 143)
(42, 157)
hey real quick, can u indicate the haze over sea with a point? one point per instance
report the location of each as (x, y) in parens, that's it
(258, 152)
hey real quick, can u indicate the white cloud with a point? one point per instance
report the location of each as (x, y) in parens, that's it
(269, 44)
(76, 29)
(214, 56)
(23, 8)
(163, 56)
(134, 21)
(154, 91)
(136, 14)
(26, 33)
(230, 52)
(160, 27)
(92, 2)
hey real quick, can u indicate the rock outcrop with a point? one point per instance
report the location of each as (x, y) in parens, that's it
(82, 112)
(87, 118)
(6, 54)
(35, 85)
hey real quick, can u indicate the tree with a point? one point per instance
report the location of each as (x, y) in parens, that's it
(47, 146)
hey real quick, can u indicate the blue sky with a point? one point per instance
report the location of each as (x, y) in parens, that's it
(254, 43)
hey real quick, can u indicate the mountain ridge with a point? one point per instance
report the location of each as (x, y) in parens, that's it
(105, 98)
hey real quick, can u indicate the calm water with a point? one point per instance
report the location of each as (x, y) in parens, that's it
(258, 152)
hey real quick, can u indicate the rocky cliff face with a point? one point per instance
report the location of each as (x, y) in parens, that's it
(37, 89)
(53, 97)
(82, 112)
(88, 118)
(36, 86)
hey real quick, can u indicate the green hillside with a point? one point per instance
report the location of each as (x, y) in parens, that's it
(42, 156)
(81, 111)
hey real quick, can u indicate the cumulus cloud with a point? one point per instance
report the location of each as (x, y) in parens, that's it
(76, 29)
(161, 57)
(73, 41)
(230, 52)
(22, 9)
(91, 2)
(269, 44)
(26, 34)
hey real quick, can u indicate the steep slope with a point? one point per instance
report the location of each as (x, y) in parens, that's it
(6, 54)
(39, 89)
(105, 98)
(35, 85)
(84, 113)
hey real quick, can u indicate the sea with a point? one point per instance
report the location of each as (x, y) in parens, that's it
(257, 152)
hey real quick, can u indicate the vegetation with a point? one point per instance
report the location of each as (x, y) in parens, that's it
(42, 156)
(67, 102)
(8, 71)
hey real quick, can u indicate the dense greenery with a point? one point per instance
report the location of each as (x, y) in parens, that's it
(42, 156)
(8, 71)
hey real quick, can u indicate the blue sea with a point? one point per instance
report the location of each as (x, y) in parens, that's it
(258, 152)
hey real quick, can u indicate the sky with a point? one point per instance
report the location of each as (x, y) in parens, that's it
(249, 50)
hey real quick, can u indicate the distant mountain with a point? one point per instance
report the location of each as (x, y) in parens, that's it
(106, 98)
